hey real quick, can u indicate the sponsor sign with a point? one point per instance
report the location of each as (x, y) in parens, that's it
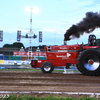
(18, 62)
(25, 62)
(15, 62)
(9, 62)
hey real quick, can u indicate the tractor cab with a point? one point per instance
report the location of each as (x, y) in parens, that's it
(92, 40)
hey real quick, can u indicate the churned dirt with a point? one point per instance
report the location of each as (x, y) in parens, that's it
(53, 82)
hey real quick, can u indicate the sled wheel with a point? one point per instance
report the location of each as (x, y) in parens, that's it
(47, 67)
(88, 62)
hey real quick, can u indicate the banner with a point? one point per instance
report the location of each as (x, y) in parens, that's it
(18, 35)
(40, 36)
(25, 54)
(1, 36)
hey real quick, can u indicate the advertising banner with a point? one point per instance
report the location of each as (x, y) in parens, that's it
(25, 54)
(15, 62)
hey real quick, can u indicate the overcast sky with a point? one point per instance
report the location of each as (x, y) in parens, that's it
(53, 19)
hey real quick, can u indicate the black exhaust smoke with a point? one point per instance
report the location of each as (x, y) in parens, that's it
(88, 24)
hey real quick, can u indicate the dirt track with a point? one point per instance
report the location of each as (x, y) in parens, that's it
(54, 82)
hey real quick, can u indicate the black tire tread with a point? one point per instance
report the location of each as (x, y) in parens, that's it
(79, 62)
(42, 67)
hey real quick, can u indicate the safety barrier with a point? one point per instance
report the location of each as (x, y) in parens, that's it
(2, 57)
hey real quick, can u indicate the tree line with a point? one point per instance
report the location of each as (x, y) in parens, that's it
(20, 45)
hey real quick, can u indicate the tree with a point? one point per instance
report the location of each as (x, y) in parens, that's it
(14, 45)
(7, 46)
(18, 45)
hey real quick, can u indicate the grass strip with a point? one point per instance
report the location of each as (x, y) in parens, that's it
(37, 70)
(24, 97)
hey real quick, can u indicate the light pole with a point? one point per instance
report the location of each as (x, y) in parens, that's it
(31, 32)
(35, 10)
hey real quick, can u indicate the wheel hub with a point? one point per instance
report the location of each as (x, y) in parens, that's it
(47, 68)
(90, 62)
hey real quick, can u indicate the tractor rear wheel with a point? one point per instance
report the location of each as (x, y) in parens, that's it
(47, 67)
(88, 62)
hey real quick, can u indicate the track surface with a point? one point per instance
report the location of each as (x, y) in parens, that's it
(54, 82)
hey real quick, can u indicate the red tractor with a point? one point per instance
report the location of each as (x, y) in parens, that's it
(86, 57)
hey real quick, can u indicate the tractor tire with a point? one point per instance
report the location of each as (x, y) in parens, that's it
(47, 67)
(88, 62)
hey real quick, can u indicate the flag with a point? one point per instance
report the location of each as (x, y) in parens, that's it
(18, 35)
(1, 36)
(40, 36)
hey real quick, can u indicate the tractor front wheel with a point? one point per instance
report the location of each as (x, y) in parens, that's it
(88, 62)
(47, 67)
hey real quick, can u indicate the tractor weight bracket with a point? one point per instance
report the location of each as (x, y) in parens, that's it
(33, 63)
(68, 65)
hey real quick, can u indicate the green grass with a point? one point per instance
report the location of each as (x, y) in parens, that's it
(36, 70)
(20, 70)
(14, 97)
